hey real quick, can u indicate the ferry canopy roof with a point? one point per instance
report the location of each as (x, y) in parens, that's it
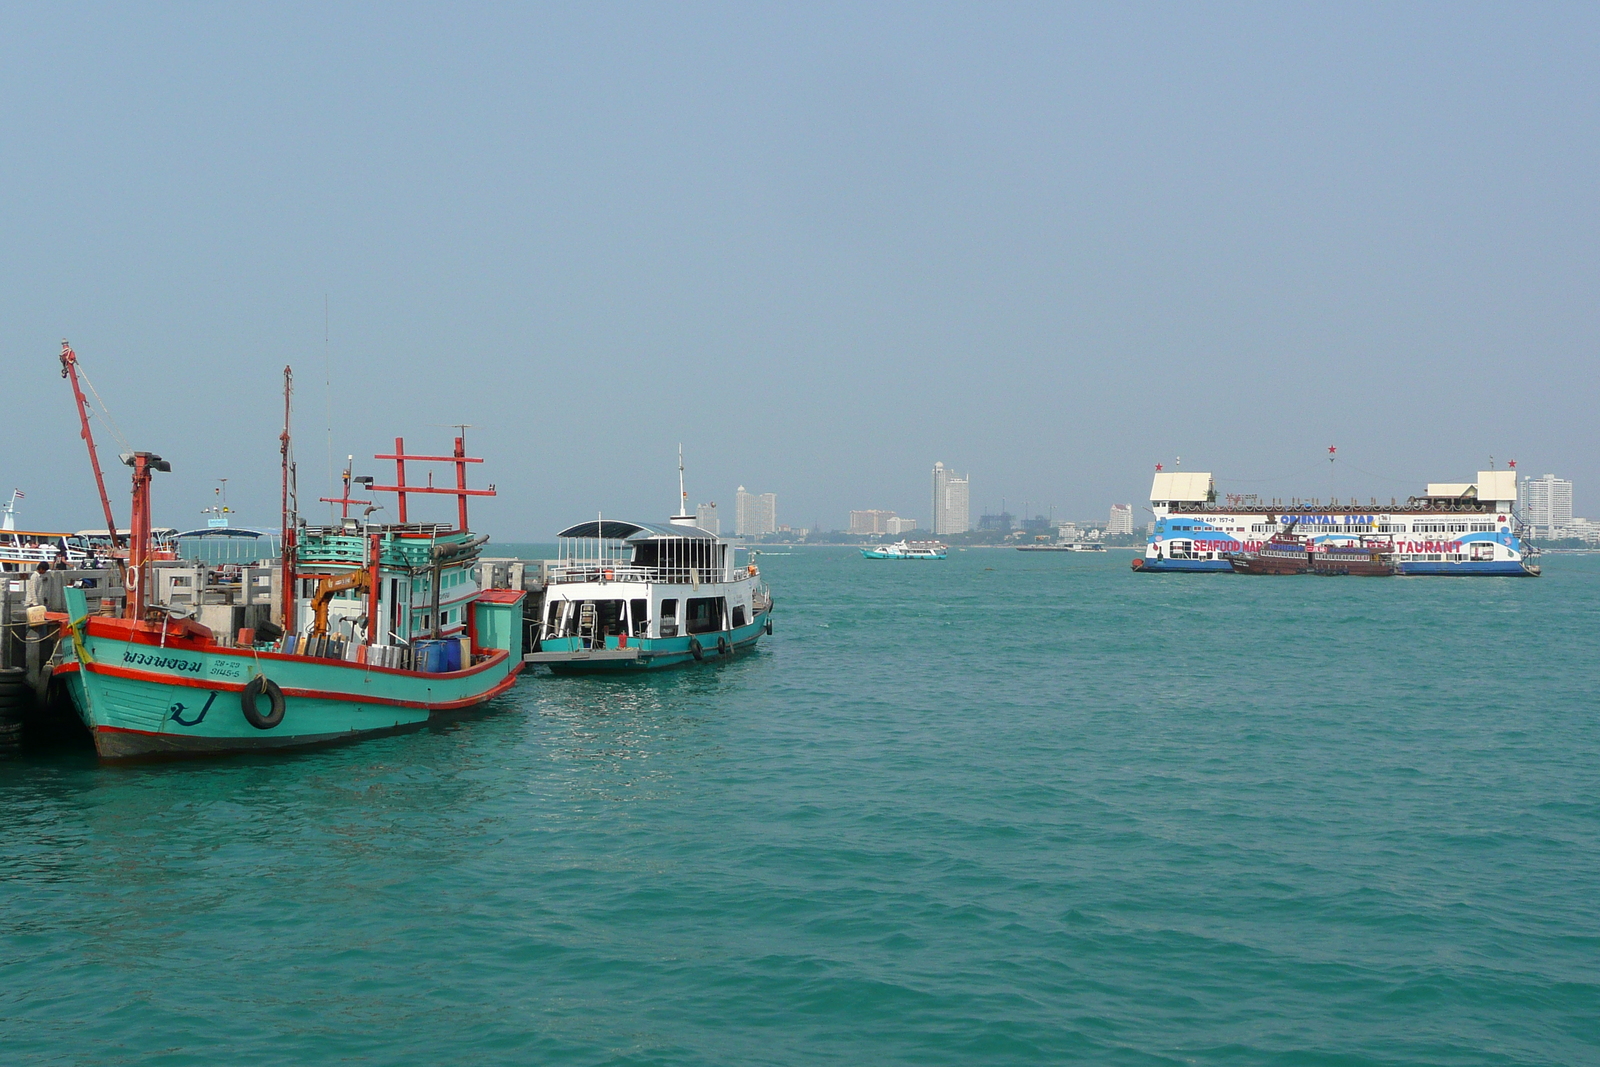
(228, 531)
(155, 531)
(1187, 486)
(617, 530)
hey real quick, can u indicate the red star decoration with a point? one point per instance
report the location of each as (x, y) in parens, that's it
(1512, 464)
(1158, 466)
(1332, 449)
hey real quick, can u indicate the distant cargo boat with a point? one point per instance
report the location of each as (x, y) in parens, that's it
(1284, 553)
(1453, 529)
(1363, 561)
(1065, 546)
(908, 550)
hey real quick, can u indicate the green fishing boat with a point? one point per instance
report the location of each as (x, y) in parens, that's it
(382, 628)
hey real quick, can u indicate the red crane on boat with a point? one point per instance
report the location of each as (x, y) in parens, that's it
(69, 370)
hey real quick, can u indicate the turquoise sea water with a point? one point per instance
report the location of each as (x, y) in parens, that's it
(1008, 809)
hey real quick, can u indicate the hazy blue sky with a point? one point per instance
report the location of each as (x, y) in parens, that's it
(824, 246)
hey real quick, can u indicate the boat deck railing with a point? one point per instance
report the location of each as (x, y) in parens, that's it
(1332, 507)
(357, 528)
(589, 570)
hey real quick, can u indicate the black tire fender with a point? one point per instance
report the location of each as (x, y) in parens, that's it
(767, 629)
(695, 650)
(722, 646)
(253, 689)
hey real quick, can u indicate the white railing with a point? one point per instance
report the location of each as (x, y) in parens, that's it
(588, 570)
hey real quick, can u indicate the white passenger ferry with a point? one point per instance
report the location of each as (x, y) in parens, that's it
(908, 550)
(1455, 528)
(636, 596)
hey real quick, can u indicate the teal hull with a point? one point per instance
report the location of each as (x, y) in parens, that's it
(144, 693)
(567, 655)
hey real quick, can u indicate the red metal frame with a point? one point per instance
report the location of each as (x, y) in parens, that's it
(460, 492)
(138, 538)
(346, 500)
(69, 369)
(290, 533)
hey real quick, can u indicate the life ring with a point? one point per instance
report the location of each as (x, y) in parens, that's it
(695, 649)
(247, 702)
(722, 646)
(130, 578)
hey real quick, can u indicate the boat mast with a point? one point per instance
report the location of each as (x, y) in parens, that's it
(290, 521)
(134, 578)
(682, 518)
(69, 369)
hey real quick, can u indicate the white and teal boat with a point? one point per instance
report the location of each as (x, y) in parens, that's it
(908, 550)
(638, 596)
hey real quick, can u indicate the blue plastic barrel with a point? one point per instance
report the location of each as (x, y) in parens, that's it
(452, 655)
(430, 655)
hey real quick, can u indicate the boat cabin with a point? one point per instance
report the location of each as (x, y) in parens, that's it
(615, 579)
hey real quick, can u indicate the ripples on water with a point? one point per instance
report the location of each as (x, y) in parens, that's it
(1049, 811)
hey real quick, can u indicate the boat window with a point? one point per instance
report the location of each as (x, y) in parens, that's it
(669, 618)
(555, 614)
(640, 616)
(738, 616)
(704, 614)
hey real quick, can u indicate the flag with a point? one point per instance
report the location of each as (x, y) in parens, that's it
(18, 493)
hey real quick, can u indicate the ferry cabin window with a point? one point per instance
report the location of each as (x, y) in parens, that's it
(669, 618)
(738, 615)
(704, 614)
(640, 617)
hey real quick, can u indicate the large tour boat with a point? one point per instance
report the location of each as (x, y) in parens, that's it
(1466, 528)
(381, 628)
(908, 550)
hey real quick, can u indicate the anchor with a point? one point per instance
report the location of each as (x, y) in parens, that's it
(178, 709)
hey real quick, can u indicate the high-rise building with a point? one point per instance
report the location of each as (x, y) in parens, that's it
(755, 513)
(705, 517)
(950, 512)
(897, 526)
(870, 522)
(1121, 521)
(1547, 503)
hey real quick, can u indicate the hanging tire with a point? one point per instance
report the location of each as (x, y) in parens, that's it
(767, 629)
(722, 646)
(695, 650)
(247, 702)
